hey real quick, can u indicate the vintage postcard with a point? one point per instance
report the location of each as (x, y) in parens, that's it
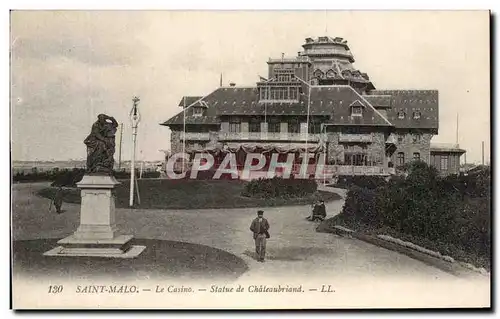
(250, 159)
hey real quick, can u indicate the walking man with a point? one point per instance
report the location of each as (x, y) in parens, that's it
(58, 199)
(260, 229)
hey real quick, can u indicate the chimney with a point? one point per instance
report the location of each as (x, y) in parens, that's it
(232, 84)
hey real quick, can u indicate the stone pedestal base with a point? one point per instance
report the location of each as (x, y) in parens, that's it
(97, 234)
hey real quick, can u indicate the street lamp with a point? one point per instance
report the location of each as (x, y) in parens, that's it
(135, 118)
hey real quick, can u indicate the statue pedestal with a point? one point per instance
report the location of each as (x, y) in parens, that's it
(97, 234)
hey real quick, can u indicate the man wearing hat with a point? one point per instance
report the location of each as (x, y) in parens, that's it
(260, 229)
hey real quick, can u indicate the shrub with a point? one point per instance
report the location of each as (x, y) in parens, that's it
(278, 187)
(454, 209)
(371, 182)
(69, 178)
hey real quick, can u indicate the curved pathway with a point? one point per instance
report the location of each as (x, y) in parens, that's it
(295, 249)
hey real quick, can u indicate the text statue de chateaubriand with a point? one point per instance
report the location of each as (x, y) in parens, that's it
(101, 145)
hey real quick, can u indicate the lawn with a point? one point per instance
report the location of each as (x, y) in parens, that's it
(192, 194)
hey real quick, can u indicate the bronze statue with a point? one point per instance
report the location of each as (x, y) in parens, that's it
(101, 146)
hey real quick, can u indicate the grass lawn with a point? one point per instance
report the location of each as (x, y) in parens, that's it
(192, 194)
(448, 249)
(162, 259)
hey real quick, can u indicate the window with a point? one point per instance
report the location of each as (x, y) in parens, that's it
(416, 156)
(401, 158)
(234, 125)
(284, 75)
(293, 126)
(401, 115)
(273, 126)
(318, 74)
(254, 126)
(197, 111)
(356, 111)
(416, 114)
(314, 127)
(401, 139)
(417, 138)
(444, 162)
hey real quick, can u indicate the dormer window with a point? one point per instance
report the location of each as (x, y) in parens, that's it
(416, 115)
(197, 111)
(401, 115)
(356, 110)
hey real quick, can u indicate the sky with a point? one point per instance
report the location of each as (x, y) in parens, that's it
(69, 66)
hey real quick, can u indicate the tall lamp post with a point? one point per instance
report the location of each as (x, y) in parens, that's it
(135, 118)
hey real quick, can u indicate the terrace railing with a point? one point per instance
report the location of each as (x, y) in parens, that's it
(356, 138)
(267, 136)
(195, 136)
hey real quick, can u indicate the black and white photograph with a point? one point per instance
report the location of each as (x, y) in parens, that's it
(183, 159)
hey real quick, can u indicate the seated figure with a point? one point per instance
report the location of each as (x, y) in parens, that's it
(318, 212)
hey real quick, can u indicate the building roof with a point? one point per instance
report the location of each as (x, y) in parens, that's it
(446, 148)
(379, 101)
(332, 101)
(336, 101)
(188, 100)
(409, 101)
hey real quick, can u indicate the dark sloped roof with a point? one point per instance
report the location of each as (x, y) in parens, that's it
(337, 101)
(209, 117)
(245, 101)
(379, 101)
(409, 101)
(177, 120)
(333, 101)
(189, 100)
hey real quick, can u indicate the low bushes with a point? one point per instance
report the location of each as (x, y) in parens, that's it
(64, 177)
(69, 178)
(451, 210)
(370, 182)
(279, 187)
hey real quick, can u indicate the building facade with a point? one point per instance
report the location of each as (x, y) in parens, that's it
(446, 158)
(316, 102)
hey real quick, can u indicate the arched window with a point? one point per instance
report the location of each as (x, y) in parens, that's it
(401, 115)
(318, 74)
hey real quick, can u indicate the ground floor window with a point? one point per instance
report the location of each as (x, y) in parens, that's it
(254, 126)
(356, 159)
(444, 163)
(234, 125)
(273, 126)
(293, 127)
(401, 158)
(416, 156)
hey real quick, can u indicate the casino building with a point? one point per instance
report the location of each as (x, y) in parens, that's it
(320, 103)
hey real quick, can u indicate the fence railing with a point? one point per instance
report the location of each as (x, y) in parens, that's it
(267, 136)
(359, 138)
(195, 136)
